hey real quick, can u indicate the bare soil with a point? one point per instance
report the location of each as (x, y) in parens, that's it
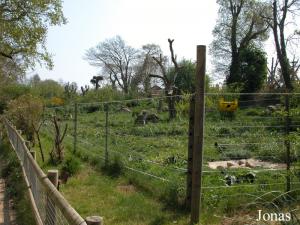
(245, 163)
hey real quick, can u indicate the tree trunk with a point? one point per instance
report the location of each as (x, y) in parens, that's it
(280, 44)
(171, 104)
(40, 145)
(235, 67)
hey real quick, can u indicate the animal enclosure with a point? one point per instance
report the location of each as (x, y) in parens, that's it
(251, 155)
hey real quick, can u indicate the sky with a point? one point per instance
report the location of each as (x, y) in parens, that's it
(138, 22)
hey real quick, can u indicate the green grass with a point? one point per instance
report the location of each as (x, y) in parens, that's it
(151, 149)
(93, 193)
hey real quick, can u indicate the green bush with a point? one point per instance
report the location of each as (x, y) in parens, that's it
(104, 94)
(71, 166)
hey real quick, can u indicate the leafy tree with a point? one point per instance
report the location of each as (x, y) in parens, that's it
(117, 58)
(239, 24)
(24, 27)
(10, 92)
(25, 112)
(254, 69)
(185, 80)
(10, 71)
(23, 31)
(48, 89)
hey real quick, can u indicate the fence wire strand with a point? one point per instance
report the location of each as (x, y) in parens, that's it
(52, 208)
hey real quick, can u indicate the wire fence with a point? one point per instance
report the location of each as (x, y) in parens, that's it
(49, 206)
(253, 148)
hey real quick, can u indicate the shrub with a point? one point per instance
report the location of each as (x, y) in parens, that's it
(102, 95)
(56, 101)
(174, 197)
(25, 112)
(71, 166)
(183, 106)
(114, 168)
(254, 112)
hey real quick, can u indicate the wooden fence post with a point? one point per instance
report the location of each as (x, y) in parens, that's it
(94, 220)
(75, 127)
(287, 142)
(198, 135)
(32, 152)
(53, 177)
(190, 154)
(50, 207)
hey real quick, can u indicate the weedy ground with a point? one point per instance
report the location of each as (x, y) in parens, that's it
(146, 179)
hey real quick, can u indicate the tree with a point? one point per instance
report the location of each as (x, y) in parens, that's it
(281, 12)
(57, 154)
(25, 112)
(146, 66)
(116, 58)
(168, 79)
(10, 71)
(84, 89)
(185, 81)
(70, 91)
(254, 69)
(34, 80)
(24, 27)
(47, 89)
(96, 81)
(239, 24)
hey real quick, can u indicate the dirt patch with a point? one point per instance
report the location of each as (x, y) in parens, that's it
(127, 189)
(245, 163)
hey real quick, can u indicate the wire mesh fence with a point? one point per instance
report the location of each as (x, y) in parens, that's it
(49, 206)
(251, 152)
(251, 144)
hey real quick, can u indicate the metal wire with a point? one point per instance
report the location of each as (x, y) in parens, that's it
(51, 207)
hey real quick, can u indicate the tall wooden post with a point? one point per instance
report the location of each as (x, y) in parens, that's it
(75, 127)
(287, 143)
(198, 135)
(190, 153)
(106, 135)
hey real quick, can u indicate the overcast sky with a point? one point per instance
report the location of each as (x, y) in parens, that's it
(138, 22)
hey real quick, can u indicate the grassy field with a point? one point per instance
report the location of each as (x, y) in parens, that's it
(152, 159)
